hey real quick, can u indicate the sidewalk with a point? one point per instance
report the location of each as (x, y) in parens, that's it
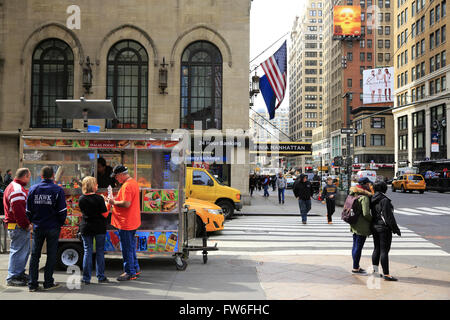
(269, 206)
(251, 277)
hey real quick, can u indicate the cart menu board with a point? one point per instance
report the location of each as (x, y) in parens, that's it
(71, 226)
(160, 201)
(146, 241)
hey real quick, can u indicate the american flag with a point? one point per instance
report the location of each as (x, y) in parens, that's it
(275, 69)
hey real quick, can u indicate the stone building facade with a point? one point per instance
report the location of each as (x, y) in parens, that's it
(152, 32)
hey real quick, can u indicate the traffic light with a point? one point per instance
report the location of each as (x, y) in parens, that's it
(338, 161)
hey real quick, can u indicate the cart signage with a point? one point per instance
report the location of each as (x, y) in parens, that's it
(102, 144)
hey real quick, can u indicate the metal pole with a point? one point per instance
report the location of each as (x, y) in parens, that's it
(349, 154)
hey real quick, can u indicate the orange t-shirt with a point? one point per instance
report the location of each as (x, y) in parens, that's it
(127, 218)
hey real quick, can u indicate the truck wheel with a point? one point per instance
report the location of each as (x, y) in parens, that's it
(69, 254)
(227, 208)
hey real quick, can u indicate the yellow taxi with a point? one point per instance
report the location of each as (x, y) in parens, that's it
(409, 182)
(211, 214)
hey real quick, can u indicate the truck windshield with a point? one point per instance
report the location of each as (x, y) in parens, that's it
(216, 177)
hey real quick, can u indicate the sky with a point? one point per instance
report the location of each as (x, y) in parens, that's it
(269, 21)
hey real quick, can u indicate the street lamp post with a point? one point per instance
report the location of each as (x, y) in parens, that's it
(349, 153)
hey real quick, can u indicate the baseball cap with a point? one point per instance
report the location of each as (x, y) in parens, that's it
(364, 180)
(119, 169)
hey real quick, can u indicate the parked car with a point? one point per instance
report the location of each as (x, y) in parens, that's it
(290, 180)
(211, 214)
(409, 182)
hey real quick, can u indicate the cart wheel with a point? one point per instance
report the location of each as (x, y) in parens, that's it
(205, 258)
(180, 263)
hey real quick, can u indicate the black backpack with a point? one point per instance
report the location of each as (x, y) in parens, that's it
(352, 209)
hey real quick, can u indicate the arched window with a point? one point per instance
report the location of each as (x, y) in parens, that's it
(201, 86)
(52, 79)
(127, 84)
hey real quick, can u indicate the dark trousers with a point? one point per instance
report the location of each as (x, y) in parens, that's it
(358, 244)
(280, 195)
(331, 207)
(382, 244)
(252, 188)
(39, 236)
(128, 244)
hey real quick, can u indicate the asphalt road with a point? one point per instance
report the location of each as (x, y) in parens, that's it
(432, 227)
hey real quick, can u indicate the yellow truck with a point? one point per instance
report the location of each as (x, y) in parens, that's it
(201, 184)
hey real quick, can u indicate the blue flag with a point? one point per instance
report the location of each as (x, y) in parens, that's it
(268, 95)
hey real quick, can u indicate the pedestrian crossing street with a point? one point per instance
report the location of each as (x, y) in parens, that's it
(430, 211)
(286, 235)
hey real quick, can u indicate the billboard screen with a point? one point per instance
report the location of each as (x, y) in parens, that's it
(378, 85)
(347, 21)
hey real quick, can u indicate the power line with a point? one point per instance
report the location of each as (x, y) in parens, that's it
(270, 123)
(405, 105)
(264, 129)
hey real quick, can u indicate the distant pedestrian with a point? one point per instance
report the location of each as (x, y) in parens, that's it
(8, 178)
(252, 184)
(126, 216)
(47, 210)
(383, 225)
(1, 179)
(93, 227)
(259, 180)
(303, 192)
(329, 194)
(265, 185)
(273, 182)
(281, 185)
(19, 227)
(361, 229)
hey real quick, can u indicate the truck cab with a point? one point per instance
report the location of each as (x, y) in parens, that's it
(201, 184)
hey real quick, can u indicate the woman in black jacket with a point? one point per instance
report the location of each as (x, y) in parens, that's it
(383, 225)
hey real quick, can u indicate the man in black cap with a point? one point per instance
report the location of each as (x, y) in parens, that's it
(126, 217)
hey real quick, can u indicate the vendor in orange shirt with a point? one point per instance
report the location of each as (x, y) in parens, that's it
(126, 216)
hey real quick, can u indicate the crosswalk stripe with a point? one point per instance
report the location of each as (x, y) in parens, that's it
(326, 252)
(434, 210)
(419, 211)
(256, 235)
(445, 209)
(405, 213)
(315, 244)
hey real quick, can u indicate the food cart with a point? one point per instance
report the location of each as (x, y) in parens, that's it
(73, 156)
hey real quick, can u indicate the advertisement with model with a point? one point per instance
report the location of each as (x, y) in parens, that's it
(378, 85)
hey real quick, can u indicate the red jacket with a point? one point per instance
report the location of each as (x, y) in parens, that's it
(15, 202)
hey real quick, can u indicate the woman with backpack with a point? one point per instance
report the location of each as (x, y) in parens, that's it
(361, 229)
(383, 225)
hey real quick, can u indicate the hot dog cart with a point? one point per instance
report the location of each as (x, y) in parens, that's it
(149, 158)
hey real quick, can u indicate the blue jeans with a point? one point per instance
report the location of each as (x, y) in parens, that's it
(128, 243)
(18, 253)
(266, 191)
(280, 195)
(305, 207)
(358, 244)
(88, 244)
(39, 236)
